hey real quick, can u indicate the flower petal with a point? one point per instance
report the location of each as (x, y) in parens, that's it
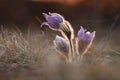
(44, 24)
(58, 17)
(81, 33)
(88, 37)
(53, 23)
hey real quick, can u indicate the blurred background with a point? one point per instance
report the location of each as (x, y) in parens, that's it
(23, 11)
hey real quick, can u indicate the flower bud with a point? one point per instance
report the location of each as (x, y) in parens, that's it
(62, 46)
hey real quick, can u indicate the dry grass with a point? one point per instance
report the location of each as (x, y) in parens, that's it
(35, 58)
(15, 48)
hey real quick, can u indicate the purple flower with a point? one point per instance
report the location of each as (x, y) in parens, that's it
(56, 22)
(85, 36)
(53, 20)
(62, 46)
(84, 40)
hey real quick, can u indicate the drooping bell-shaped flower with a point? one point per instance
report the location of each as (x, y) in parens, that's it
(84, 41)
(53, 20)
(62, 46)
(56, 22)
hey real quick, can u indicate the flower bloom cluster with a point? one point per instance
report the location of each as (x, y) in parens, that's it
(68, 46)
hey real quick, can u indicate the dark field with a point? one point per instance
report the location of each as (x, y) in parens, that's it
(27, 51)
